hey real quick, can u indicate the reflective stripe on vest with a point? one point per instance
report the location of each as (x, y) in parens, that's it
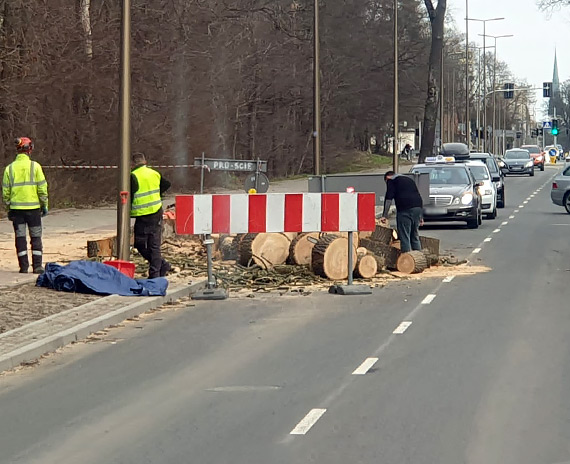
(24, 190)
(146, 200)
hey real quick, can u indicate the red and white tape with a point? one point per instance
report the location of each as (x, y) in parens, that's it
(275, 212)
(163, 166)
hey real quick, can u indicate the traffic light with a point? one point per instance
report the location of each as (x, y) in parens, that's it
(509, 91)
(540, 132)
(547, 89)
(555, 127)
(533, 133)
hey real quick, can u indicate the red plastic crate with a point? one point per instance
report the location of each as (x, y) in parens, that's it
(126, 267)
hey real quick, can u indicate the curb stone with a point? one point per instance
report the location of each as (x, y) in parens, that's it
(59, 338)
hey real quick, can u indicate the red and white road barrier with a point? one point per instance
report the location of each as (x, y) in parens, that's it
(275, 212)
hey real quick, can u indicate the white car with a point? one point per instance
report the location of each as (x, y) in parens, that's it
(488, 190)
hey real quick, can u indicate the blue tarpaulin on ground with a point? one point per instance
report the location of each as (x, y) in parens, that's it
(98, 278)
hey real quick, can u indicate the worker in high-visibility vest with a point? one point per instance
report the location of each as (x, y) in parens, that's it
(147, 188)
(25, 194)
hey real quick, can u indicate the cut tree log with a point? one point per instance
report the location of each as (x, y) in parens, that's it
(431, 244)
(386, 252)
(265, 250)
(383, 234)
(366, 267)
(330, 257)
(301, 248)
(361, 251)
(355, 236)
(229, 248)
(413, 262)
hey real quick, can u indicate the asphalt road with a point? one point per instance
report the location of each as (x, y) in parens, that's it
(480, 376)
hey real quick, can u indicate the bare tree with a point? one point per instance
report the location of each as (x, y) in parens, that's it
(437, 19)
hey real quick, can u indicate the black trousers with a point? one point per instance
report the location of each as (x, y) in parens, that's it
(148, 239)
(32, 220)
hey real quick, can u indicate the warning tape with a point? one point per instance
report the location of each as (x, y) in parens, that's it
(164, 166)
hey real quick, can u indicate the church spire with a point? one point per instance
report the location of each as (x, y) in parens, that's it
(555, 78)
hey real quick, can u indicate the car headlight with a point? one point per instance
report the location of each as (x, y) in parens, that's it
(502, 164)
(528, 165)
(467, 198)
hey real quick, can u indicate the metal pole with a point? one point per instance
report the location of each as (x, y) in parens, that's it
(396, 87)
(123, 209)
(484, 89)
(505, 130)
(479, 102)
(453, 109)
(211, 281)
(317, 95)
(467, 120)
(350, 277)
(555, 136)
(441, 96)
(202, 174)
(494, 96)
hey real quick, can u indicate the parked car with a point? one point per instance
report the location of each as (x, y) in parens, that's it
(454, 192)
(497, 175)
(560, 193)
(488, 191)
(518, 161)
(538, 155)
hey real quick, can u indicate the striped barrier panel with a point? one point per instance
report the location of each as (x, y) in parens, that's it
(275, 212)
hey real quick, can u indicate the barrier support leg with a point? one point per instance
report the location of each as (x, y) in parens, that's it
(211, 292)
(350, 289)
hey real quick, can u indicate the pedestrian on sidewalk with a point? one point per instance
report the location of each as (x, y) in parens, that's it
(147, 188)
(409, 209)
(25, 194)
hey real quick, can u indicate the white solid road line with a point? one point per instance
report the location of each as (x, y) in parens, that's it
(448, 279)
(477, 250)
(365, 366)
(488, 239)
(308, 421)
(428, 299)
(402, 327)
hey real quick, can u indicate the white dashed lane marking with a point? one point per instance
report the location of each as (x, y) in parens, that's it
(308, 421)
(505, 223)
(511, 217)
(496, 231)
(365, 366)
(428, 299)
(517, 210)
(402, 327)
(448, 279)
(488, 239)
(477, 250)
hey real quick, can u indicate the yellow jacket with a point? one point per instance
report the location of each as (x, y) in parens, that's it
(24, 185)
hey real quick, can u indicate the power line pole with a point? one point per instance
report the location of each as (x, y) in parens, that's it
(123, 206)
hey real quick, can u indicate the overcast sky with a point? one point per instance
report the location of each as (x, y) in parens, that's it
(530, 53)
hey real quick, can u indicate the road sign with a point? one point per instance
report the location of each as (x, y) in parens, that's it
(547, 125)
(232, 165)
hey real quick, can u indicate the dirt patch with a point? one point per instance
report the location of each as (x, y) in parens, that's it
(27, 303)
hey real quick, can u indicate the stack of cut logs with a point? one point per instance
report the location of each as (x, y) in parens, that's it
(326, 254)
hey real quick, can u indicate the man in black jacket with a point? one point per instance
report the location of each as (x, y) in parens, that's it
(409, 207)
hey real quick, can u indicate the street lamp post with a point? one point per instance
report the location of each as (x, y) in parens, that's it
(467, 120)
(494, 84)
(123, 205)
(479, 97)
(317, 95)
(484, 21)
(396, 88)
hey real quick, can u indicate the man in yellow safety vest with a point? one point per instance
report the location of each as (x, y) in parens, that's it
(147, 188)
(25, 194)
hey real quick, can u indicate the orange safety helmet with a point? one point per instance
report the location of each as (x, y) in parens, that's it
(24, 145)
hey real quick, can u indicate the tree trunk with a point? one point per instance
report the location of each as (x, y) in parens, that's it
(413, 262)
(437, 18)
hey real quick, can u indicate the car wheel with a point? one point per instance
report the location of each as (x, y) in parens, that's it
(567, 202)
(531, 173)
(542, 167)
(473, 223)
(501, 202)
(492, 215)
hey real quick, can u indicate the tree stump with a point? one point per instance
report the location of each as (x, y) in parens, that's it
(301, 248)
(413, 262)
(265, 250)
(330, 257)
(366, 267)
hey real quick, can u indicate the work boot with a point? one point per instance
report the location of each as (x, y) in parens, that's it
(23, 270)
(165, 268)
(39, 270)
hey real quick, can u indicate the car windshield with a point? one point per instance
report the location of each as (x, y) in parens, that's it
(518, 154)
(445, 175)
(489, 162)
(479, 172)
(532, 149)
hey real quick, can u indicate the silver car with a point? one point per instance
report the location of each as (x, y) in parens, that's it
(560, 192)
